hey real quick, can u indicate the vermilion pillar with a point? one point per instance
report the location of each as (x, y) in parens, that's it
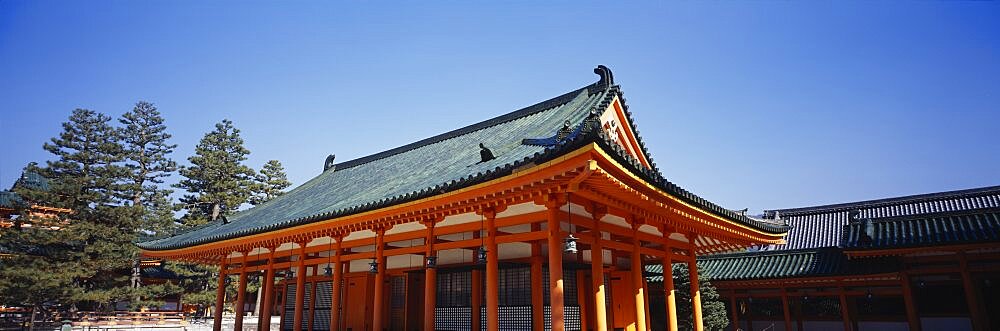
(555, 268)
(300, 288)
(597, 276)
(241, 294)
(220, 296)
(537, 299)
(264, 320)
(637, 280)
(338, 278)
(695, 287)
(734, 311)
(430, 280)
(477, 300)
(668, 281)
(377, 314)
(492, 274)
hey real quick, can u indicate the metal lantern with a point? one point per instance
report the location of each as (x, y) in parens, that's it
(869, 295)
(432, 262)
(569, 246)
(481, 254)
(373, 267)
(328, 271)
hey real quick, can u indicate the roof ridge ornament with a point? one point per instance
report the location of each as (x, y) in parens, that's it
(485, 154)
(607, 78)
(329, 164)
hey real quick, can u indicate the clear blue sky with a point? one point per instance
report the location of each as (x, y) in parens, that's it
(749, 104)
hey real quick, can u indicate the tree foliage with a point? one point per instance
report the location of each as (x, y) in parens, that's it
(271, 183)
(714, 316)
(217, 182)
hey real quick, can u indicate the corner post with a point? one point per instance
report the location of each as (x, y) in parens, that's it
(784, 307)
(220, 296)
(911, 307)
(241, 294)
(637, 277)
(845, 314)
(555, 264)
(696, 317)
(668, 280)
(597, 273)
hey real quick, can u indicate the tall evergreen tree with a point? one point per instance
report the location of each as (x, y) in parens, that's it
(271, 183)
(92, 251)
(146, 151)
(217, 181)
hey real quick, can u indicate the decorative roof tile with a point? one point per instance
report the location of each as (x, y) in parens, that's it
(813, 262)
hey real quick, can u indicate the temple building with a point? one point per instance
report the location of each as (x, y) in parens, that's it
(540, 219)
(922, 262)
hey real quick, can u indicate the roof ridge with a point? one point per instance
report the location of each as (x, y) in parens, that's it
(523, 112)
(950, 213)
(884, 201)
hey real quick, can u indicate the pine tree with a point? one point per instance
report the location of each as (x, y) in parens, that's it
(146, 154)
(714, 316)
(271, 183)
(87, 259)
(217, 181)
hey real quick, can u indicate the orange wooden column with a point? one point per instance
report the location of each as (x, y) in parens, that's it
(668, 280)
(241, 294)
(264, 320)
(696, 317)
(492, 274)
(300, 288)
(220, 296)
(786, 309)
(597, 275)
(378, 316)
(537, 299)
(845, 314)
(337, 279)
(911, 307)
(637, 279)
(477, 294)
(555, 266)
(430, 279)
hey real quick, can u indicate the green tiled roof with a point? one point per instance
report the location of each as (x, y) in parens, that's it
(967, 227)
(813, 262)
(9, 199)
(31, 180)
(440, 164)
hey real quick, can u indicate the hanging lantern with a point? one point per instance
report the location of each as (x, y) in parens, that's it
(431, 262)
(481, 255)
(869, 295)
(569, 246)
(328, 271)
(373, 267)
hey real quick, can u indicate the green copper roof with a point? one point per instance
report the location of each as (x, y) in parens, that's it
(444, 163)
(813, 262)
(966, 227)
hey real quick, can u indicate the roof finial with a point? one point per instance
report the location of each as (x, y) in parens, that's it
(329, 164)
(607, 78)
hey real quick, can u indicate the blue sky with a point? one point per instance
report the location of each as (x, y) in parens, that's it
(749, 104)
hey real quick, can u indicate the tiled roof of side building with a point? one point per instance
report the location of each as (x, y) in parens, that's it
(813, 262)
(948, 228)
(822, 226)
(441, 164)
